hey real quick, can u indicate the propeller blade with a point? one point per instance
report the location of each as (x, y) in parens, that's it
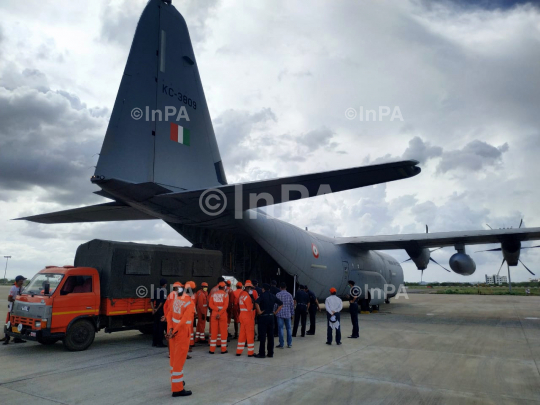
(406, 260)
(434, 261)
(489, 250)
(427, 229)
(521, 222)
(421, 275)
(489, 226)
(501, 266)
(530, 247)
(526, 267)
(431, 251)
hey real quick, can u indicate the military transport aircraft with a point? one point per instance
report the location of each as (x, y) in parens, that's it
(171, 169)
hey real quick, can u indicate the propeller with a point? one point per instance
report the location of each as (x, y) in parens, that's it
(431, 259)
(500, 249)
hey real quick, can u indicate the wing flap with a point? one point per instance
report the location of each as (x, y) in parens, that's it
(439, 239)
(95, 213)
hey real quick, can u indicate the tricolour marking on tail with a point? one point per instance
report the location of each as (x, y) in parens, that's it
(160, 129)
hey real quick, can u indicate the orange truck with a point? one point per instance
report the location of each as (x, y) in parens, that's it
(109, 288)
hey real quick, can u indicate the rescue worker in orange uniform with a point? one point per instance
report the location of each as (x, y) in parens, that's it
(201, 304)
(235, 309)
(190, 291)
(212, 291)
(247, 322)
(179, 321)
(167, 306)
(219, 302)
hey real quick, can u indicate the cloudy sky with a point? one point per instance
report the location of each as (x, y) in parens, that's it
(283, 81)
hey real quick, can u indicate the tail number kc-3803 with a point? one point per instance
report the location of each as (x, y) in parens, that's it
(180, 97)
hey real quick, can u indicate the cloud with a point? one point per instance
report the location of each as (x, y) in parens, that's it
(421, 151)
(235, 132)
(317, 138)
(47, 140)
(474, 156)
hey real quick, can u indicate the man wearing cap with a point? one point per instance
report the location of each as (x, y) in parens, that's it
(201, 301)
(245, 317)
(312, 309)
(16, 289)
(301, 302)
(219, 302)
(265, 305)
(333, 305)
(157, 303)
(167, 307)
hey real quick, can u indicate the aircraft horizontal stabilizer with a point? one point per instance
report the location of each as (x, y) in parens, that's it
(95, 213)
(293, 188)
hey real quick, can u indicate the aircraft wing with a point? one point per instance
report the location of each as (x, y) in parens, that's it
(439, 239)
(95, 213)
(312, 184)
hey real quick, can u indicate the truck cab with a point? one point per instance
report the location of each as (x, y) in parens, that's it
(59, 303)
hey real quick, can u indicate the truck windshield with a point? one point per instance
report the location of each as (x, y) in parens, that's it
(37, 284)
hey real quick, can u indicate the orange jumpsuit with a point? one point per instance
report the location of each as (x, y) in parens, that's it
(247, 324)
(180, 316)
(201, 301)
(218, 303)
(212, 291)
(192, 334)
(166, 308)
(235, 296)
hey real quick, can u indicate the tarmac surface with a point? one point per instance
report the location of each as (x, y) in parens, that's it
(428, 349)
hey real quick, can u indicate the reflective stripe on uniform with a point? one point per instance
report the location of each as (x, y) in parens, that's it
(243, 309)
(220, 308)
(188, 322)
(175, 320)
(177, 380)
(178, 372)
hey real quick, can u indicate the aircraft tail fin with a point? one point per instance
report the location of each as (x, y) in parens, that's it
(160, 129)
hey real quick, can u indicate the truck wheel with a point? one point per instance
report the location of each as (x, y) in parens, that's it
(147, 330)
(80, 336)
(47, 342)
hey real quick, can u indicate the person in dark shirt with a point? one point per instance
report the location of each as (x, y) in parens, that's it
(266, 309)
(301, 304)
(160, 296)
(256, 286)
(274, 290)
(353, 310)
(313, 308)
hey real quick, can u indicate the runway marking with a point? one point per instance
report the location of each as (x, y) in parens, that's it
(430, 314)
(531, 317)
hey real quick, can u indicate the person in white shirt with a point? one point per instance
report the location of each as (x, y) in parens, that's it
(333, 305)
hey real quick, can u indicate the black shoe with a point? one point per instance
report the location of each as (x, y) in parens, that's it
(293, 335)
(270, 355)
(182, 393)
(238, 355)
(352, 337)
(303, 336)
(251, 355)
(279, 347)
(210, 352)
(19, 340)
(310, 333)
(339, 343)
(6, 342)
(162, 346)
(226, 351)
(328, 343)
(259, 356)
